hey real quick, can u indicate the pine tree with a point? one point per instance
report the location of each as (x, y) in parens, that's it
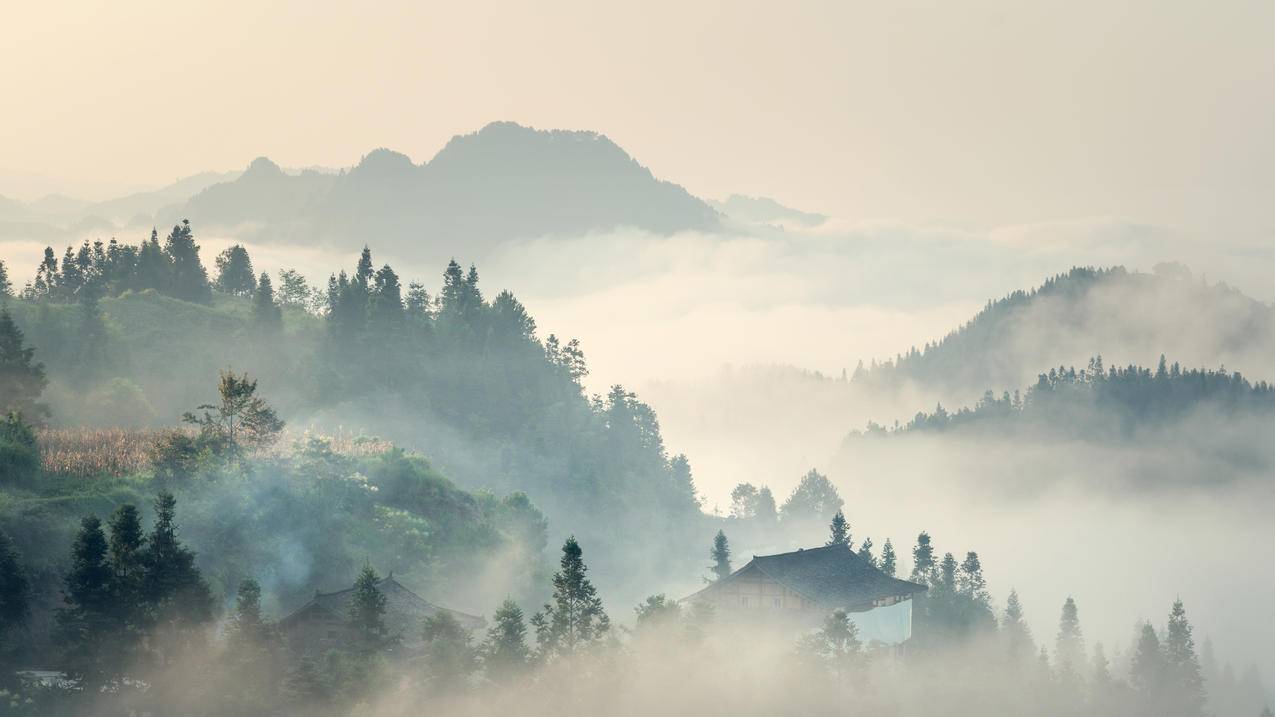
(865, 552)
(173, 587)
(387, 302)
(1147, 673)
(45, 285)
(22, 378)
(971, 583)
(575, 619)
(367, 614)
(266, 314)
(889, 561)
(234, 272)
(6, 286)
(505, 653)
(1181, 666)
(84, 620)
(839, 530)
(188, 280)
(1018, 636)
(923, 560)
(154, 267)
(126, 560)
(1069, 646)
(15, 588)
(720, 555)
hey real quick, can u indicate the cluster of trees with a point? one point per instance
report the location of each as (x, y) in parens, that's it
(815, 499)
(1096, 401)
(455, 372)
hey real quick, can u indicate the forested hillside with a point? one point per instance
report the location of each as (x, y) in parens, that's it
(1124, 315)
(136, 334)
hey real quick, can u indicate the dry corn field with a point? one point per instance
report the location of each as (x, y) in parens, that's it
(97, 452)
(91, 452)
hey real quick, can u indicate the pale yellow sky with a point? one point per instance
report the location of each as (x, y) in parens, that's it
(956, 112)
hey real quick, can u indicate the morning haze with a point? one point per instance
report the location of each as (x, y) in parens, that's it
(707, 358)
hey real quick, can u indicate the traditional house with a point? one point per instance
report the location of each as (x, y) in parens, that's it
(321, 624)
(799, 589)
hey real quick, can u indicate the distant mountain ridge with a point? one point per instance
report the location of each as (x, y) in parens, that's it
(502, 182)
(1124, 316)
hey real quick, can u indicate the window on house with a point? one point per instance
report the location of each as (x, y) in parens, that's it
(743, 601)
(778, 602)
(331, 634)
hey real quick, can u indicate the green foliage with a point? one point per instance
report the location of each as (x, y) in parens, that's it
(815, 499)
(21, 377)
(574, 620)
(266, 314)
(242, 421)
(450, 656)
(234, 272)
(367, 615)
(839, 530)
(720, 555)
(1069, 646)
(15, 589)
(189, 280)
(505, 654)
(889, 561)
(835, 648)
(19, 451)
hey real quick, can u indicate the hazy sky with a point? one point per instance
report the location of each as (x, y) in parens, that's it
(965, 113)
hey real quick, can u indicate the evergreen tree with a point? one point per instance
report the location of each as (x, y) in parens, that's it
(126, 560)
(1181, 666)
(266, 314)
(72, 277)
(1018, 636)
(6, 286)
(188, 280)
(84, 620)
(865, 552)
(839, 530)
(15, 588)
(367, 614)
(889, 561)
(92, 338)
(1147, 673)
(923, 560)
(720, 555)
(450, 657)
(505, 653)
(234, 272)
(21, 377)
(154, 266)
(172, 586)
(387, 302)
(575, 619)
(971, 584)
(1069, 646)
(45, 286)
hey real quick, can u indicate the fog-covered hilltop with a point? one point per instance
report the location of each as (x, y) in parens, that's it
(1125, 316)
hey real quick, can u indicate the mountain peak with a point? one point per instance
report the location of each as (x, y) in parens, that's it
(262, 167)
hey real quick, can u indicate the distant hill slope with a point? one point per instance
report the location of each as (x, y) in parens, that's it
(1123, 316)
(503, 182)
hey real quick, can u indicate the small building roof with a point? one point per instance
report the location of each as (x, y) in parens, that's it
(833, 576)
(404, 609)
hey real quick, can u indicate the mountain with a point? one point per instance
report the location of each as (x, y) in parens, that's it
(502, 182)
(764, 210)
